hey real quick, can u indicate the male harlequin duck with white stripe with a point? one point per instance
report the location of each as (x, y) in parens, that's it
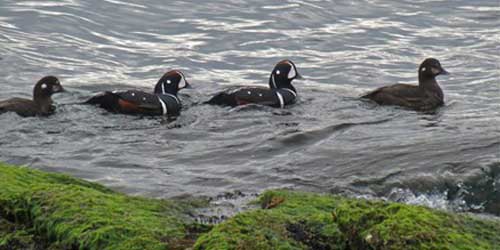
(41, 105)
(279, 94)
(163, 101)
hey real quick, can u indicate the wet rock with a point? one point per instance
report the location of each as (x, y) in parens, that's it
(313, 221)
(40, 210)
(54, 211)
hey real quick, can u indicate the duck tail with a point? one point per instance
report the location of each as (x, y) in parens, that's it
(106, 100)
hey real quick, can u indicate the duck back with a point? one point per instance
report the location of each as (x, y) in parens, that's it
(25, 107)
(409, 96)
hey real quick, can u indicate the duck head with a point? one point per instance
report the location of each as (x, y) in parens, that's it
(47, 86)
(430, 68)
(171, 82)
(283, 74)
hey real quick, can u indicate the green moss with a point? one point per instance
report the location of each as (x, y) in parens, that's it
(67, 213)
(298, 220)
(380, 225)
(13, 236)
(295, 221)
(51, 211)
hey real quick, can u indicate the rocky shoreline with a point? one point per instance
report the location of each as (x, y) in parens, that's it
(40, 210)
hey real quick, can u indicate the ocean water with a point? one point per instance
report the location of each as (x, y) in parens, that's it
(330, 141)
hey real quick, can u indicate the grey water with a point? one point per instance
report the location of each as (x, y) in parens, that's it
(330, 141)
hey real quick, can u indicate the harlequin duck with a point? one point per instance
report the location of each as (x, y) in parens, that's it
(163, 101)
(426, 96)
(42, 102)
(279, 94)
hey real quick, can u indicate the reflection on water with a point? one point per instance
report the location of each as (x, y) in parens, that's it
(329, 142)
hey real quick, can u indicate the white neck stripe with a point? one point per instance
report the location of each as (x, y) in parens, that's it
(273, 82)
(291, 91)
(163, 88)
(280, 98)
(173, 96)
(163, 106)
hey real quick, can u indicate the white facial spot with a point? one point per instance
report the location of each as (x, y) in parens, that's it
(277, 72)
(182, 82)
(260, 95)
(169, 82)
(249, 92)
(292, 72)
(44, 86)
(435, 70)
(144, 98)
(133, 94)
(424, 69)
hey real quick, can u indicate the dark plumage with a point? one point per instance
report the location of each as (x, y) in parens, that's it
(427, 95)
(163, 101)
(279, 94)
(42, 102)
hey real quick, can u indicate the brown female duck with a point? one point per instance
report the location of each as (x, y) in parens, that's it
(427, 95)
(41, 103)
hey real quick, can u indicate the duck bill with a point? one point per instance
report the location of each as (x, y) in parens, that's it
(188, 86)
(59, 90)
(299, 77)
(444, 72)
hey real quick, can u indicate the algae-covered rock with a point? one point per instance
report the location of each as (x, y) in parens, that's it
(52, 211)
(14, 236)
(295, 220)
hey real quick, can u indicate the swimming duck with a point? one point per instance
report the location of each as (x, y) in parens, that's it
(40, 105)
(427, 95)
(279, 94)
(163, 101)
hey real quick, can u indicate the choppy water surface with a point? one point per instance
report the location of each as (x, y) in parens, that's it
(329, 142)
